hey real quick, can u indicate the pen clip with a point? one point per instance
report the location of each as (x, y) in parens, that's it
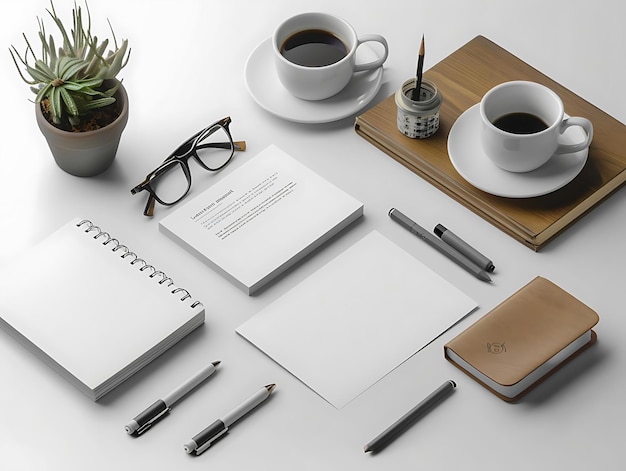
(153, 420)
(210, 441)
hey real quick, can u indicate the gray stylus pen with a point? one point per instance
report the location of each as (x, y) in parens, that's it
(459, 244)
(438, 244)
(407, 419)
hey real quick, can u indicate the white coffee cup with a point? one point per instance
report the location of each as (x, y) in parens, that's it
(511, 148)
(318, 82)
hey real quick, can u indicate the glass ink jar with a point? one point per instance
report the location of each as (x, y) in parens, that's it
(418, 119)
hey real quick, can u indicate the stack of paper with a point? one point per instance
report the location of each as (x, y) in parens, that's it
(261, 219)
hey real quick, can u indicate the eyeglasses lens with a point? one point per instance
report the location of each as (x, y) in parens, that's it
(215, 148)
(172, 183)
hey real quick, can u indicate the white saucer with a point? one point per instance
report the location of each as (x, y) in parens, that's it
(265, 87)
(469, 159)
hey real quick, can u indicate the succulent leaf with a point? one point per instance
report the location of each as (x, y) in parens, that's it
(112, 91)
(84, 86)
(100, 103)
(71, 69)
(42, 67)
(53, 53)
(43, 92)
(55, 104)
(70, 104)
(37, 75)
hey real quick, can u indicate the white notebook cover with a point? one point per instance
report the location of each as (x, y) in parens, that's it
(261, 219)
(91, 314)
(357, 318)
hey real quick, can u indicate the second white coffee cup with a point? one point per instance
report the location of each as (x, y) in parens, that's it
(315, 54)
(522, 123)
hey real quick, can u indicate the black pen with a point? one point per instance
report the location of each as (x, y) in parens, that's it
(209, 435)
(156, 411)
(438, 244)
(407, 419)
(459, 244)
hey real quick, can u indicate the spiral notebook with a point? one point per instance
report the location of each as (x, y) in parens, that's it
(91, 308)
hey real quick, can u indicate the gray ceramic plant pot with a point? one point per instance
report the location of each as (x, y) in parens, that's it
(89, 153)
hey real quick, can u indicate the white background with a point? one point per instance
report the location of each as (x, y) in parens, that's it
(186, 71)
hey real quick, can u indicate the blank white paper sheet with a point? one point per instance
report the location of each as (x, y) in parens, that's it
(357, 318)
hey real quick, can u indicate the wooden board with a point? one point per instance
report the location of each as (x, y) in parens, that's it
(463, 78)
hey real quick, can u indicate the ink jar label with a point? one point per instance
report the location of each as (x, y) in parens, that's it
(418, 119)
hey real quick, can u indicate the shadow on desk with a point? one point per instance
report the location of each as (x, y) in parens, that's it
(199, 336)
(568, 376)
(327, 127)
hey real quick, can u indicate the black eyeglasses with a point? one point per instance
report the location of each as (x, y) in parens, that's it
(212, 148)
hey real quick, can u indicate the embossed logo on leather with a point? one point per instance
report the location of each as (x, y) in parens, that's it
(496, 348)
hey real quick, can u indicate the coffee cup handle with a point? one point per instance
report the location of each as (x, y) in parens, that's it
(576, 121)
(378, 62)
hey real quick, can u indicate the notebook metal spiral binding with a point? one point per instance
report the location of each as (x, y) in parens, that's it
(128, 253)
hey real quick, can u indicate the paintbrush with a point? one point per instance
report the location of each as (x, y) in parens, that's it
(415, 96)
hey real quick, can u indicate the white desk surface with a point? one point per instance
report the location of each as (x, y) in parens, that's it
(186, 70)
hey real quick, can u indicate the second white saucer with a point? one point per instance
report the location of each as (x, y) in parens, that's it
(469, 159)
(264, 85)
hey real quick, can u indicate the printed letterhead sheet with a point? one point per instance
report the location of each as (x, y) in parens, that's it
(357, 318)
(262, 218)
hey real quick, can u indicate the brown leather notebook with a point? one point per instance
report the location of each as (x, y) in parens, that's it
(523, 339)
(463, 78)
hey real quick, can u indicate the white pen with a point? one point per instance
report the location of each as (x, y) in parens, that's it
(209, 435)
(156, 411)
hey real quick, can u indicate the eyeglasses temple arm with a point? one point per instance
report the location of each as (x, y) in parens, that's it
(149, 209)
(239, 145)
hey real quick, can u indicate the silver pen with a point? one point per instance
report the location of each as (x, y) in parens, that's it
(217, 429)
(157, 411)
(439, 245)
(460, 245)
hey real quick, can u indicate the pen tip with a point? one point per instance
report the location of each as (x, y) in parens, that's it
(367, 450)
(422, 46)
(215, 363)
(270, 387)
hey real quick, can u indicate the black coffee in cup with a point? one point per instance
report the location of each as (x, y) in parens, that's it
(313, 48)
(520, 123)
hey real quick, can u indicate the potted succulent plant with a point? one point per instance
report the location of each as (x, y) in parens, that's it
(81, 107)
